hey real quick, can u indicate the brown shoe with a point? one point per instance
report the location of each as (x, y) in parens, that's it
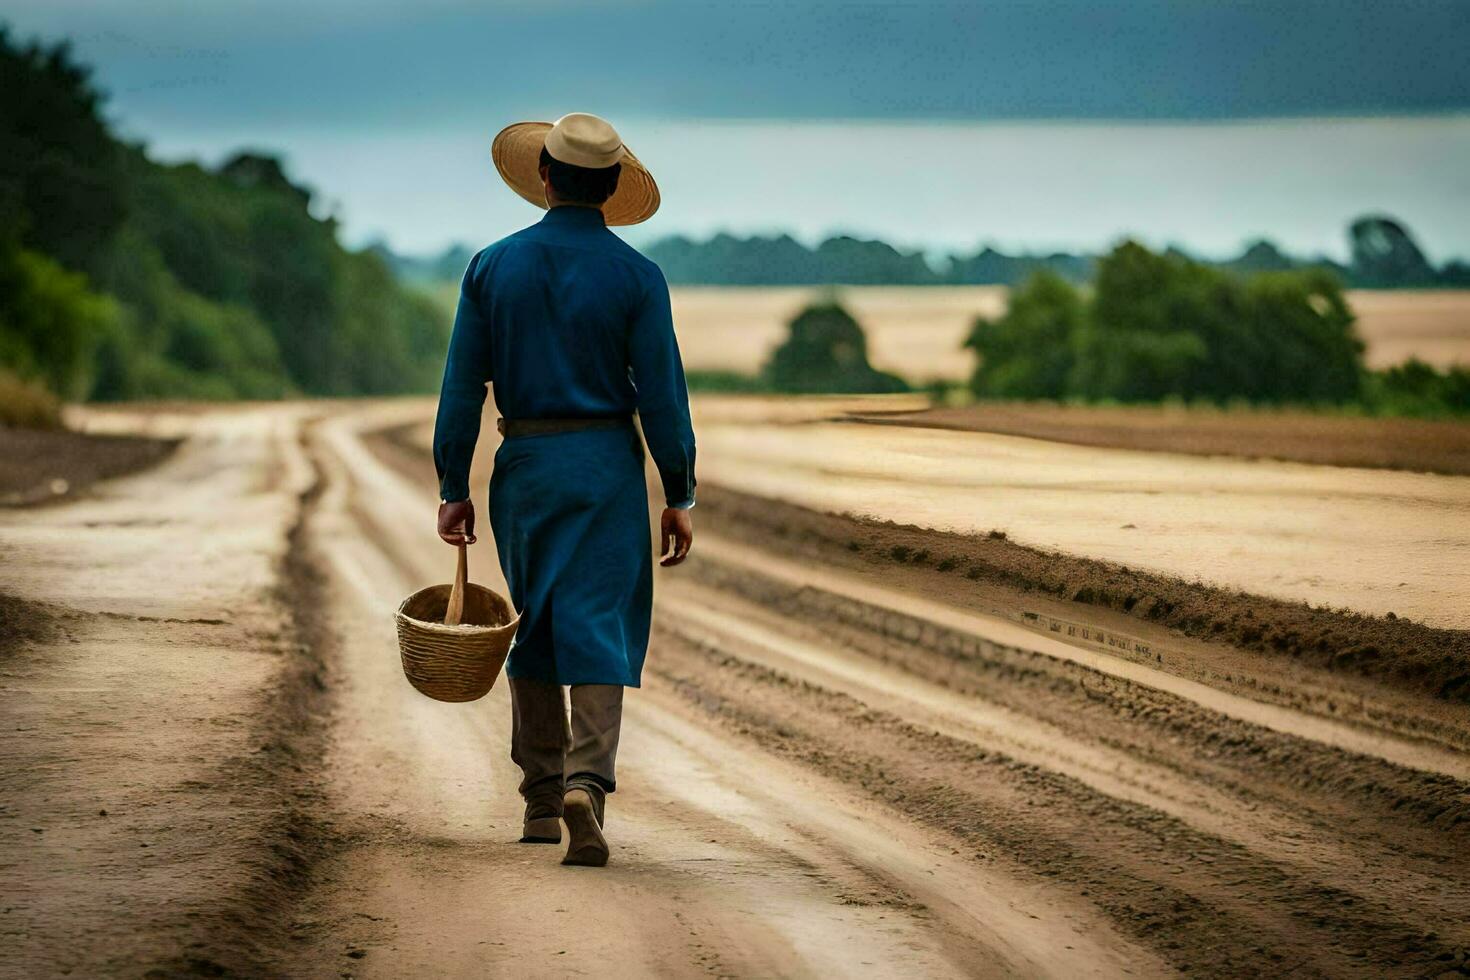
(587, 846)
(542, 824)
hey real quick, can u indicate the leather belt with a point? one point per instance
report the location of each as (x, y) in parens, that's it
(516, 428)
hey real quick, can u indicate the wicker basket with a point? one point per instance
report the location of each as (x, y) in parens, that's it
(454, 654)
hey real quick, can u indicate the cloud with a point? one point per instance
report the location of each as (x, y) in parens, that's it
(394, 61)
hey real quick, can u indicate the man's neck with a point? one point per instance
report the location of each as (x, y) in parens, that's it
(552, 201)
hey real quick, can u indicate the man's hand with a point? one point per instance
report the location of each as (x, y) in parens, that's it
(457, 522)
(676, 535)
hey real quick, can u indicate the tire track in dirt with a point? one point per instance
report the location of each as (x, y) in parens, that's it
(1146, 721)
(1043, 723)
(1208, 906)
(1416, 658)
(169, 718)
(764, 867)
(257, 926)
(293, 733)
(1224, 846)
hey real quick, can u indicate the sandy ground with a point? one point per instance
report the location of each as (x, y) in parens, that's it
(43, 467)
(832, 769)
(1417, 445)
(917, 331)
(152, 694)
(1375, 541)
(1133, 614)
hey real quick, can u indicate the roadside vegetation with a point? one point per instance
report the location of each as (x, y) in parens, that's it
(27, 404)
(1151, 330)
(1155, 328)
(124, 278)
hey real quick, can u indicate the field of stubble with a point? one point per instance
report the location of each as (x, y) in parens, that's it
(917, 331)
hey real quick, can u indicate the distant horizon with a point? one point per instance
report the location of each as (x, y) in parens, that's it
(1209, 187)
(932, 254)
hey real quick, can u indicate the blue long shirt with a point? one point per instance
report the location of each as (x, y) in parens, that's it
(566, 320)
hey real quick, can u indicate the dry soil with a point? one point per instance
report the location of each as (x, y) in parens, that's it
(1393, 444)
(844, 761)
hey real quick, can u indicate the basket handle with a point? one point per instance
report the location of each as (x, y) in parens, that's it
(455, 611)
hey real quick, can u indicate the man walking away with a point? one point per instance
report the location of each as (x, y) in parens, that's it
(573, 328)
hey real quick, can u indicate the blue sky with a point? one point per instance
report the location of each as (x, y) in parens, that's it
(386, 106)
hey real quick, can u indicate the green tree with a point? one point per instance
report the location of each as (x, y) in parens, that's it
(1165, 326)
(1029, 351)
(1417, 389)
(826, 352)
(1385, 255)
(1302, 341)
(225, 284)
(50, 321)
(1147, 334)
(62, 185)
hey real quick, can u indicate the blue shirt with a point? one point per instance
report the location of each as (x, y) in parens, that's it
(566, 320)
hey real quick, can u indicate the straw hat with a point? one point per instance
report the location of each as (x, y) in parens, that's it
(582, 140)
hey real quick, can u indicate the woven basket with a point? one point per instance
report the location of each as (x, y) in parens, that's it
(455, 655)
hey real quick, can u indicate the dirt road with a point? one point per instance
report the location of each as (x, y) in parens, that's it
(825, 774)
(159, 696)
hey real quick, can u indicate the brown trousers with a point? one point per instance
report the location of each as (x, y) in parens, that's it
(556, 753)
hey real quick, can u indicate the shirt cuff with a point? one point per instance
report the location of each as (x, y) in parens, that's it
(684, 505)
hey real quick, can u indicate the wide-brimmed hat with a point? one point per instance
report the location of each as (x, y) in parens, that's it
(582, 140)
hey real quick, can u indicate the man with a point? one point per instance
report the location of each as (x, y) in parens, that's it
(573, 328)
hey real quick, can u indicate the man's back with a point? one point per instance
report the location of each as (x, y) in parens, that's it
(563, 298)
(567, 321)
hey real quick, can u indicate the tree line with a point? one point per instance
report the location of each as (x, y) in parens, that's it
(1384, 255)
(123, 278)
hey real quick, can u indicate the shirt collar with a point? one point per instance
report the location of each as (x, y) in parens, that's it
(574, 216)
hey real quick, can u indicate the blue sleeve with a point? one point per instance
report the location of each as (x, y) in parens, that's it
(663, 396)
(462, 396)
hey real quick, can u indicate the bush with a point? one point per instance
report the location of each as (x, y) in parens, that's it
(1417, 389)
(826, 353)
(1302, 342)
(1165, 327)
(1028, 353)
(27, 404)
(50, 322)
